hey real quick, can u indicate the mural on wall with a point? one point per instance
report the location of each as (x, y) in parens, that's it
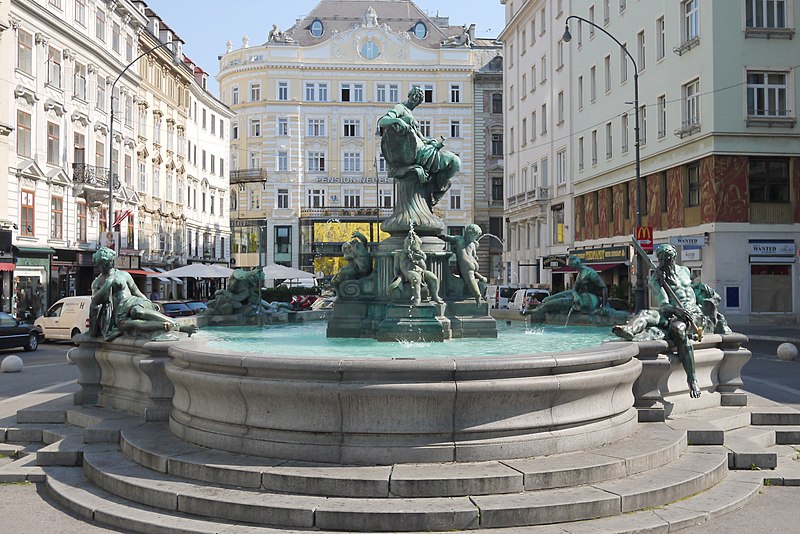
(589, 203)
(653, 201)
(603, 200)
(723, 189)
(677, 193)
(579, 221)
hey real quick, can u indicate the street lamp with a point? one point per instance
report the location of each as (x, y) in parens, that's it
(176, 60)
(639, 289)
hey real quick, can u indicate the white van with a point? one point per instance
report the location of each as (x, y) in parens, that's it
(498, 296)
(65, 319)
(524, 298)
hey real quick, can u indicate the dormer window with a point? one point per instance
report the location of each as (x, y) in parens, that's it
(316, 28)
(420, 30)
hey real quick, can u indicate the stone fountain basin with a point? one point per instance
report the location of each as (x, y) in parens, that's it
(385, 411)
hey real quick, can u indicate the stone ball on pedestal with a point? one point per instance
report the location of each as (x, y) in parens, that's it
(787, 352)
(11, 364)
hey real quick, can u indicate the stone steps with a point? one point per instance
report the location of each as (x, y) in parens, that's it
(154, 447)
(692, 472)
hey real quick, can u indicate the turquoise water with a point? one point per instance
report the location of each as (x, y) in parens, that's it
(308, 340)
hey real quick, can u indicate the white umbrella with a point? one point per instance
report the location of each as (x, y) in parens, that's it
(273, 271)
(198, 270)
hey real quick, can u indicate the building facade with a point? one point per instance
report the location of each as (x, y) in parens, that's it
(305, 157)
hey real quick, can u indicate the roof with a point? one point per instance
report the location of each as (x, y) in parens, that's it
(399, 15)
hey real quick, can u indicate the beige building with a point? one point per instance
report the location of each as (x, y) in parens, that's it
(306, 169)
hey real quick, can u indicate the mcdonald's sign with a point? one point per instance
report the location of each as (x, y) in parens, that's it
(644, 235)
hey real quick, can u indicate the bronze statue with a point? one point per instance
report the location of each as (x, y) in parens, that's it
(585, 296)
(359, 260)
(242, 295)
(409, 265)
(678, 315)
(412, 156)
(118, 307)
(465, 248)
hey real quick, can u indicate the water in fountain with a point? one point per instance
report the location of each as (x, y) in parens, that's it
(494, 236)
(308, 340)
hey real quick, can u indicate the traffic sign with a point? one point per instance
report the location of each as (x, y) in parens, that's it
(644, 235)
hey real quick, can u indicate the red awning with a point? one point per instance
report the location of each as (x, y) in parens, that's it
(7, 266)
(137, 271)
(599, 267)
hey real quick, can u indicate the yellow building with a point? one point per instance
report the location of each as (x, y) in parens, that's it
(305, 150)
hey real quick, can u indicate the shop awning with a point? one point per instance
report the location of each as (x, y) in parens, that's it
(7, 266)
(136, 271)
(34, 250)
(174, 279)
(150, 271)
(599, 267)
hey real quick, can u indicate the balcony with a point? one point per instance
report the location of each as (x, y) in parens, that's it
(90, 175)
(686, 45)
(248, 175)
(687, 129)
(347, 213)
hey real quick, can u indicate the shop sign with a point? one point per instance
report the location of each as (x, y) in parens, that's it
(352, 180)
(603, 255)
(687, 241)
(554, 262)
(644, 235)
(691, 253)
(33, 262)
(772, 247)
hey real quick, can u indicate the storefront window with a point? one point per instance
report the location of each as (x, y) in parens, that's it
(771, 288)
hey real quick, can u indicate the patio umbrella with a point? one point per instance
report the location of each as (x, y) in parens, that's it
(198, 270)
(273, 271)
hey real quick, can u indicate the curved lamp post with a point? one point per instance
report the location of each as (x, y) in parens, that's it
(175, 59)
(639, 289)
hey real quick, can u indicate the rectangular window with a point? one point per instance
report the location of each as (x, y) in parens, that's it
(213, 124)
(27, 207)
(156, 182)
(769, 180)
(580, 92)
(380, 92)
(662, 116)
(544, 119)
(594, 147)
(128, 170)
(560, 103)
(170, 186)
(56, 217)
(316, 92)
(497, 144)
(129, 58)
(609, 142)
(82, 214)
(101, 98)
(316, 198)
(283, 126)
(455, 128)
(765, 13)
(641, 51)
(561, 166)
(455, 93)
(455, 199)
(100, 24)
(693, 185)
(352, 127)
(234, 130)
(316, 162)
(623, 63)
(624, 132)
(283, 90)
(23, 134)
(691, 103)
(580, 153)
(533, 128)
(255, 128)
(593, 83)
(316, 128)
(352, 198)
(642, 125)
(283, 161)
(691, 20)
(661, 38)
(766, 94)
(607, 65)
(606, 11)
(385, 198)
(80, 12)
(282, 199)
(255, 92)
(545, 172)
(142, 178)
(425, 128)
(79, 150)
(591, 20)
(79, 81)
(283, 240)
(234, 95)
(351, 162)
(54, 67)
(25, 51)
(53, 138)
(115, 38)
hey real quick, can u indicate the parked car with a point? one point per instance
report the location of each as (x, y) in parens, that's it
(65, 319)
(197, 306)
(175, 308)
(499, 296)
(15, 333)
(527, 298)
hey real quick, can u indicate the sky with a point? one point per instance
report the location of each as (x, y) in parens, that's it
(205, 25)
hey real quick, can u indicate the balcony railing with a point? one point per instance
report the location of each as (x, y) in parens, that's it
(90, 175)
(373, 212)
(248, 175)
(687, 128)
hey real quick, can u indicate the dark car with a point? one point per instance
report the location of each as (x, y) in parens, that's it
(15, 333)
(175, 309)
(197, 306)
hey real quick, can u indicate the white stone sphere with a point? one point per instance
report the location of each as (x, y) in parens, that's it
(11, 364)
(787, 352)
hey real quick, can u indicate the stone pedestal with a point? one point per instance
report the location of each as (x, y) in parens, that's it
(88, 370)
(468, 319)
(404, 322)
